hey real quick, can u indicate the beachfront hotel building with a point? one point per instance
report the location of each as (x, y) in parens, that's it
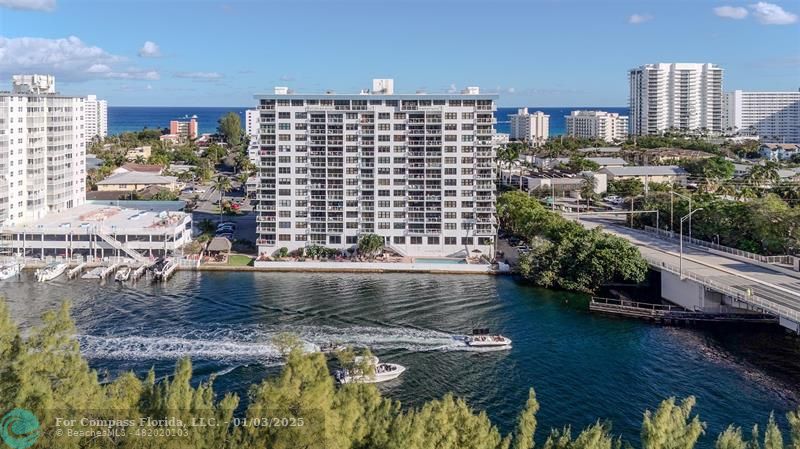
(533, 128)
(95, 115)
(416, 169)
(42, 150)
(251, 124)
(773, 116)
(184, 129)
(607, 126)
(675, 96)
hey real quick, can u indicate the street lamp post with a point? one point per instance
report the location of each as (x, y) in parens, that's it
(671, 205)
(680, 259)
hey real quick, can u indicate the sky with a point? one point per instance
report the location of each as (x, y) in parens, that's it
(530, 52)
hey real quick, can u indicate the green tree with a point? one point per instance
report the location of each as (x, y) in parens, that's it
(223, 185)
(230, 126)
(626, 188)
(370, 244)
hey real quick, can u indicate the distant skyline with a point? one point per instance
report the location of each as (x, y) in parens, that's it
(543, 53)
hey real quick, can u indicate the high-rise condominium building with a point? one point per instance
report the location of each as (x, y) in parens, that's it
(186, 129)
(675, 96)
(535, 128)
(417, 170)
(608, 126)
(42, 150)
(96, 118)
(773, 116)
(251, 122)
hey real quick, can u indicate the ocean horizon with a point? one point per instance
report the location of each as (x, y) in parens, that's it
(136, 118)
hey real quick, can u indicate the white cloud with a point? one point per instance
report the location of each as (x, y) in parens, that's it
(149, 87)
(637, 19)
(200, 76)
(731, 12)
(69, 59)
(99, 68)
(149, 50)
(452, 89)
(134, 74)
(511, 90)
(32, 5)
(772, 14)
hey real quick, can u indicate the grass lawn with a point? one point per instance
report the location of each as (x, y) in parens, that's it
(239, 260)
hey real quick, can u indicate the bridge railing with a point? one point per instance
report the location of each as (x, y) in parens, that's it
(745, 296)
(727, 249)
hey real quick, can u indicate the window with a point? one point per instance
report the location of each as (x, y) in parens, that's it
(416, 240)
(449, 240)
(466, 240)
(285, 237)
(433, 240)
(399, 240)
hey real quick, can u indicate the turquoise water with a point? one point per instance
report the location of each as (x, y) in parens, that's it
(439, 260)
(583, 366)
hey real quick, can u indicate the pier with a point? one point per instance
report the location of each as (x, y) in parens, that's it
(671, 314)
(139, 272)
(75, 271)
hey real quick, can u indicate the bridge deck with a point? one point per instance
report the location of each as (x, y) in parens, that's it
(771, 290)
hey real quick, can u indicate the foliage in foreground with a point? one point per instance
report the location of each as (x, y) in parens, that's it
(45, 373)
(563, 253)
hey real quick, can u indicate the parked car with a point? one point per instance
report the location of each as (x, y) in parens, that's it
(614, 199)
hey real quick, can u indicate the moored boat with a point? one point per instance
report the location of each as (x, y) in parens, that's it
(481, 338)
(123, 274)
(382, 372)
(51, 271)
(10, 270)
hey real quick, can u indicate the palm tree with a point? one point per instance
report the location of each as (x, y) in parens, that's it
(764, 174)
(223, 184)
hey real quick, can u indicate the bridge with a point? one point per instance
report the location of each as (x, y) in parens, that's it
(709, 277)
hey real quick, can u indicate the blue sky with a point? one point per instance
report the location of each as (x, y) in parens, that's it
(530, 52)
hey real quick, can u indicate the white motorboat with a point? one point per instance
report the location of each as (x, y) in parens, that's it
(123, 274)
(383, 372)
(481, 338)
(10, 270)
(50, 272)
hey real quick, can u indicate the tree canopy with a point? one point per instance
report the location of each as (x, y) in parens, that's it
(44, 372)
(230, 126)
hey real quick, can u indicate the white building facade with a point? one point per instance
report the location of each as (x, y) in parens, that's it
(42, 151)
(96, 118)
(418, 170)
(608, 126)
(774, 116)
(532, 127)
(675, 96)
(251, 122)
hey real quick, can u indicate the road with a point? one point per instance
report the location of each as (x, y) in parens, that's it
(768, 288)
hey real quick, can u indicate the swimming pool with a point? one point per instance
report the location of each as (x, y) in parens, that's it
(440, 260)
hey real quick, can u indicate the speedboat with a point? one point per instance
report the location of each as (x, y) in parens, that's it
(123, 274)
(481, 338)
(51, 271)
(161, 268)
(10, 270)
(383, 372)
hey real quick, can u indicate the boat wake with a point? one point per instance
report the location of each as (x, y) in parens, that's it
(255, 343)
